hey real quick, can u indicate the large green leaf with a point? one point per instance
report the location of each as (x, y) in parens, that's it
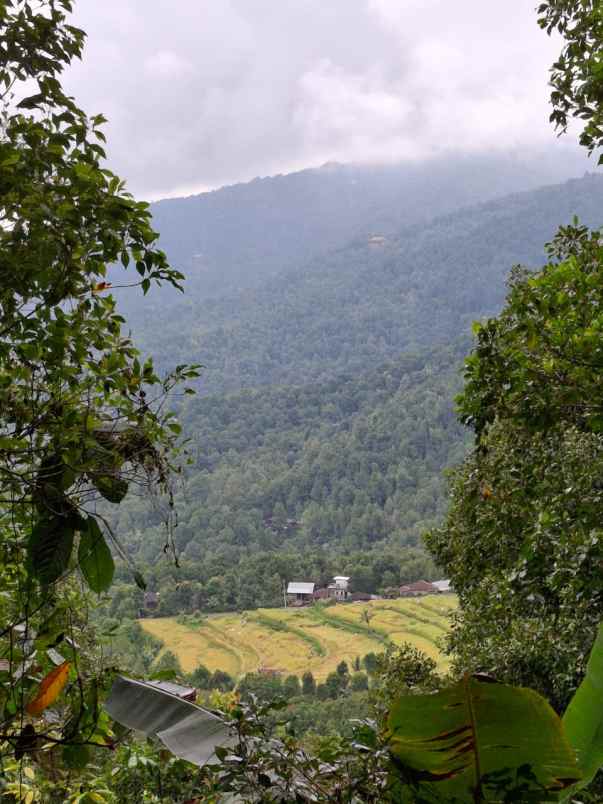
(583, 719)
(113, 489)
(49, 548)
(94, 557)
(76, 757)
(481, 741)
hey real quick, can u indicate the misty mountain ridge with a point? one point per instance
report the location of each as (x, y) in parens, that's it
(326, 417)
(235, 237)
(355, 306)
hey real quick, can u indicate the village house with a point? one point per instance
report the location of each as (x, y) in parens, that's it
(150, 603)
(339, 590)
(300, 593)
(418, 589)
(269, 672)
(443, 587)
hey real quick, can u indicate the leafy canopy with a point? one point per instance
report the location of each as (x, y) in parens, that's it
(522, 540)
(577, 75)
(81, 415)
(540, 361)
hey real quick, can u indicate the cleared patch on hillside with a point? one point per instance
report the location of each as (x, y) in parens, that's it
(313, 638)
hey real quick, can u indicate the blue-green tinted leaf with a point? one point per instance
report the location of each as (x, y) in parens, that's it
(95, 559)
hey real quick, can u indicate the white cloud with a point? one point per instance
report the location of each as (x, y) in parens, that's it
(167, 64)
(200, 93)
(341, 112)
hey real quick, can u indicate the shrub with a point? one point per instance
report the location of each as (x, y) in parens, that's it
(359, 682)
(222, 681)
(308, 684)
(200, 677)
(291, 687)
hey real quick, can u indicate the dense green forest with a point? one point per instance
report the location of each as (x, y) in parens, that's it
(237, 237)
(306, 481)
(334, 462)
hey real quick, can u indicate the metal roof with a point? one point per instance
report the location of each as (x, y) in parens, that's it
(174, 689)
(418, 586)
(442, 586)
(341, 577)
(298, 588)
(187, 730)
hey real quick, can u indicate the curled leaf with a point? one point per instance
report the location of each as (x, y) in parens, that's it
(49, 690)
(139, 580)
(113, 489)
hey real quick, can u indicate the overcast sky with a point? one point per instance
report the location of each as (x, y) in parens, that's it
(201, 93)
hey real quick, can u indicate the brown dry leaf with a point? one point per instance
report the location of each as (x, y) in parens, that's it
(50, 689)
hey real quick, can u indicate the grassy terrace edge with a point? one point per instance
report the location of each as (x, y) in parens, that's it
(281, 625)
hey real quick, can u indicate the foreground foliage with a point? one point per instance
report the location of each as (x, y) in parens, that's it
(477, 741)
(576, 75)
(80, 416)
(522, 541)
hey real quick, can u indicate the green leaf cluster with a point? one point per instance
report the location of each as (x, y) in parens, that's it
(81, 416)
(577, 75)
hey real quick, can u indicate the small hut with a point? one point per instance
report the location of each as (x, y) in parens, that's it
(418, 589)
(300, 593)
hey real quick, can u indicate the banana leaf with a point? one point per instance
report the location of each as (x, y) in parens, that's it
(188, 731)
(480, 741)
(583, 718)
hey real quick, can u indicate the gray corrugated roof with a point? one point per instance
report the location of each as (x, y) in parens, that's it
(187, 730)
(418, 586)
(173, 689)
(299, 588)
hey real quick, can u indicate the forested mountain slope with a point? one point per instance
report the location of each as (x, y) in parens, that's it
(322, 444)
(307, 481)
(236, 237)
(359, 305)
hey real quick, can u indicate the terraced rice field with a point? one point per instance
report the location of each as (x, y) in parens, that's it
(313, 638)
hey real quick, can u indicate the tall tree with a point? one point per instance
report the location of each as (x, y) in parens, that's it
(81, 415)
(577, 75)
(522, 541)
